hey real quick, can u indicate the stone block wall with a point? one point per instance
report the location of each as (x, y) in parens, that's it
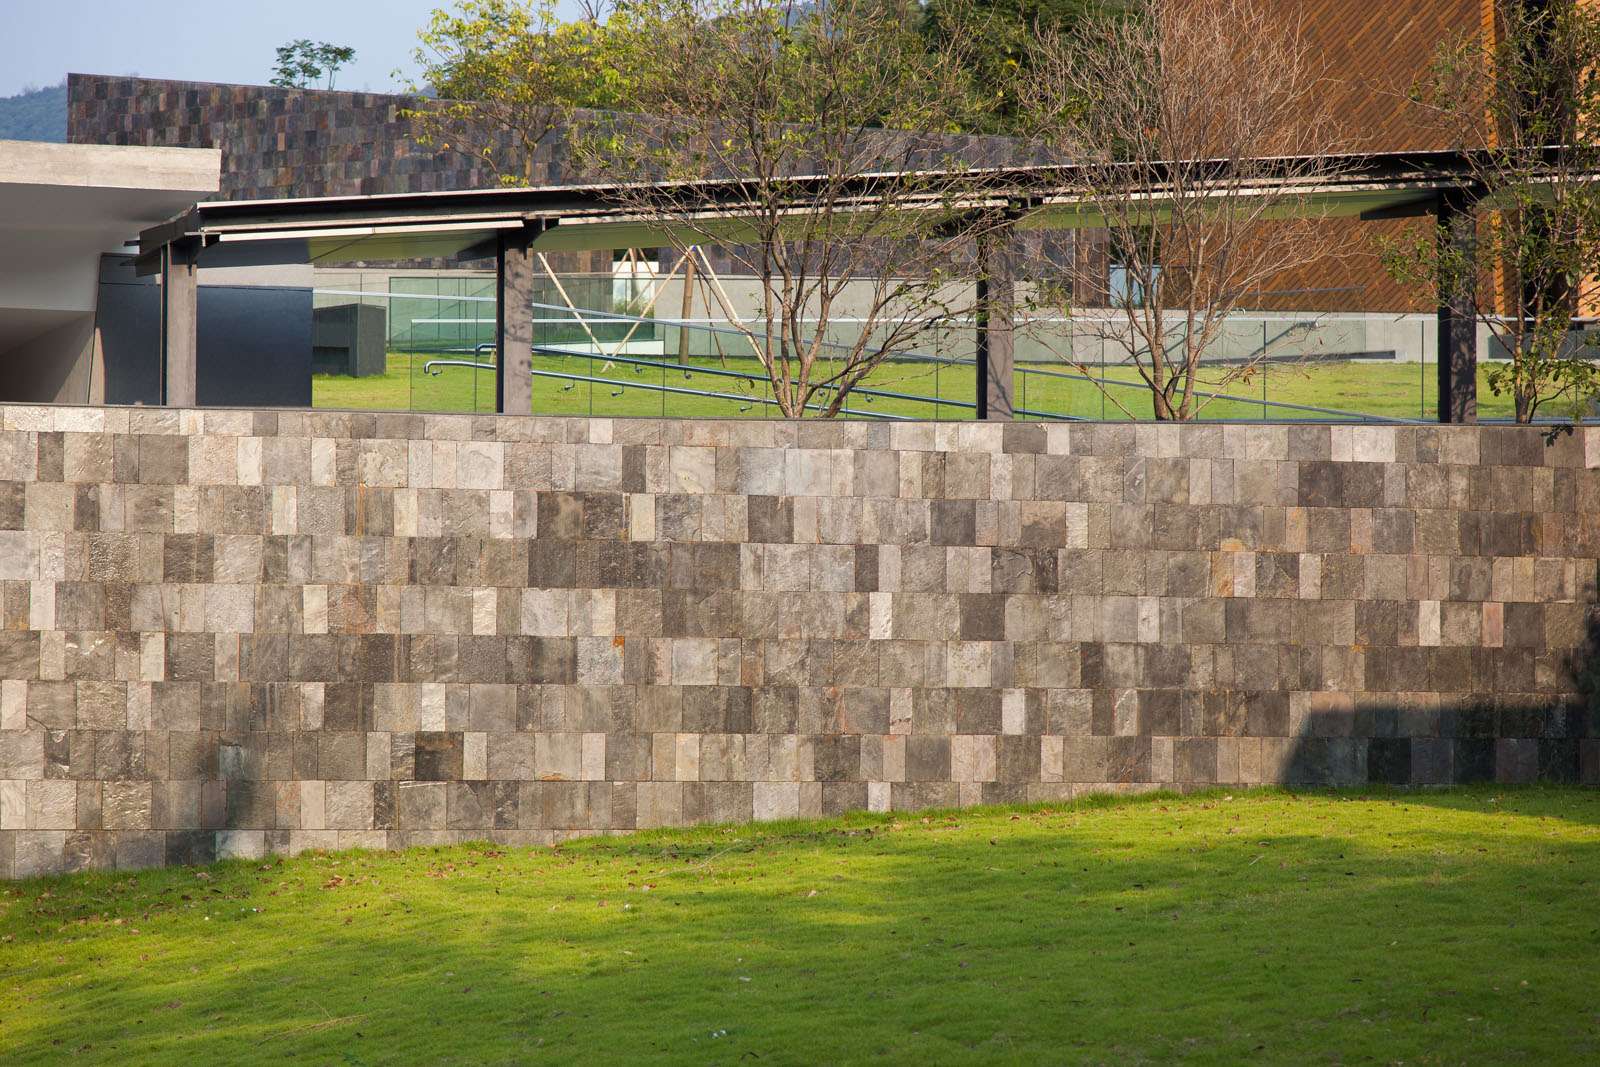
(224, 633)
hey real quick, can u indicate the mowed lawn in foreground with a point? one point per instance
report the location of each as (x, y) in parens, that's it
(1261, 927)
(1395, 390)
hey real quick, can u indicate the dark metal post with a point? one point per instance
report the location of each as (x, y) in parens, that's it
(180, 299)
(1458, 322)
(513, 336)
(996, 350)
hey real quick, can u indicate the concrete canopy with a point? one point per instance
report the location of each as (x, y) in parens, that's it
(61, 207)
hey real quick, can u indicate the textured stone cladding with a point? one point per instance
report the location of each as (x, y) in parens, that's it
(230, 632)
(312, 142)
(276, 142)
(279, 143)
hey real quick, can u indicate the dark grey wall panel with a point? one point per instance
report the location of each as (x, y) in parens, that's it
(255, 347)
(128, 320)
(254, 341)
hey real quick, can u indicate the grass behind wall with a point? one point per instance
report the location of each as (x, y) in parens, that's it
(1265, 927)
(1396, 390)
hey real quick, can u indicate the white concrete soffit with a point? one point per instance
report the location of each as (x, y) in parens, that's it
(63, 205)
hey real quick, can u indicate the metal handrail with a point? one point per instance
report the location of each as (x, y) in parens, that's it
(429, 367)
(433, 368)
(752, 379)
(615, 316)
(480, 349)
(741, 398)
(1102, 382)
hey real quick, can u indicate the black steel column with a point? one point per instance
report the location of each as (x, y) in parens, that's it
(1458, 320)
(996, 350)
(513, 335)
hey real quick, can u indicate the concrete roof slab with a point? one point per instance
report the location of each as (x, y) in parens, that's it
(63, 205)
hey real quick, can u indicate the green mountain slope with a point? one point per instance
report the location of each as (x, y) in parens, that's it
(35, 115)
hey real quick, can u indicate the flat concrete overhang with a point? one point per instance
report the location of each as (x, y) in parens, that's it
(62, 205)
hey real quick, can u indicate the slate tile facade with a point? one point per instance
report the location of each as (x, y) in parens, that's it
(276, 142)
(235, 632)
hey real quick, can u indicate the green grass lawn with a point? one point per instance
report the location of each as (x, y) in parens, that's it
(1403, 390)
(623, 390)
(1262, 927)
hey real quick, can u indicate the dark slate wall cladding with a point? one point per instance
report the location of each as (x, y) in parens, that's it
(311, 142)
(275, 142)
(279, 143)
(234, 632)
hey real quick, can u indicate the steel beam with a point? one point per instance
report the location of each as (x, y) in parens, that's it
(996, 350)
(180, 304)
(513, 376)
(1458, 320)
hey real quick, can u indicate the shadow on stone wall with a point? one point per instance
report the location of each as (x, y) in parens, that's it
(1436, 741)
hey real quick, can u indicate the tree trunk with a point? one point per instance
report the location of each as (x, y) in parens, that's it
(1162, 406)
(688, 306)
(1525, 398)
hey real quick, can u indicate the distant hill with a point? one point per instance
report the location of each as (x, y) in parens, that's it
(35, 115)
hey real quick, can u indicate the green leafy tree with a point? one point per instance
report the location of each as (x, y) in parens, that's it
(302, 62)
(508, 75)
(992, 39)
(1527, 106)
(807, 106)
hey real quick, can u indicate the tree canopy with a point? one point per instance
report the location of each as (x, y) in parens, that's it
(1165, 108)
(302, 62)
(801, 104)
(507, 75)
(994, 40)
(1527, 104)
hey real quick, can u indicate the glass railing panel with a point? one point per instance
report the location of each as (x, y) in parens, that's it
(607, 358)
(1254, 367)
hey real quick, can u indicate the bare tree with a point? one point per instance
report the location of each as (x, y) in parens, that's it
(1526, 108)
(834, 124)
(1192, 129)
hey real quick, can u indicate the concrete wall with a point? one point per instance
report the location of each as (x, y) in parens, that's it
(231, 632)
(55, 367)
(61, 208)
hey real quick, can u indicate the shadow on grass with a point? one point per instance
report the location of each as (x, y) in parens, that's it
(1158, 930)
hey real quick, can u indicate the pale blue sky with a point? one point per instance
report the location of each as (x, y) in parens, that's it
(203, 40)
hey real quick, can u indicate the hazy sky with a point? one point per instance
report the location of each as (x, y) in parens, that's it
(215, 40)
